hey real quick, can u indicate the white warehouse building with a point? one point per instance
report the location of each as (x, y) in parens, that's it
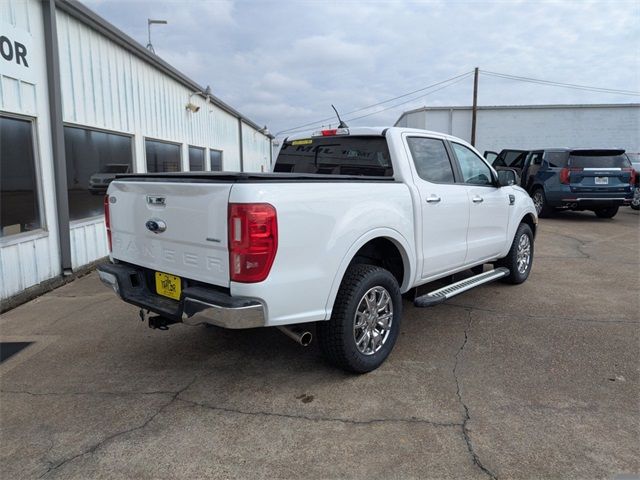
(80, 101)
(535, 126)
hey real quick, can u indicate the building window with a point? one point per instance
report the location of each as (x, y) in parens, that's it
(216, 160)
(196, 159)
(19, 203)
(93, 161)
(162, 156)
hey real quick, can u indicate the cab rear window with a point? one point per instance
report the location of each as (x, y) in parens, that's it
(336, 155)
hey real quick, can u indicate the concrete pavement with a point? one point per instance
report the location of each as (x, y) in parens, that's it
(531, 381)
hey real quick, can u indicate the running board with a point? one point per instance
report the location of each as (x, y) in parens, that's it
(438, 296)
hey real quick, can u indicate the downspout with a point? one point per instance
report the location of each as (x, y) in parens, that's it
(57, 132)
(240, 144)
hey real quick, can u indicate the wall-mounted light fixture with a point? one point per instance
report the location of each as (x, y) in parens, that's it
(149, 23)
(191, 107)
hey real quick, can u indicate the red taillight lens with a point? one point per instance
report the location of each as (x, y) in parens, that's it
(107, 220)
(565, 174)
(253, 241)
(632, 175)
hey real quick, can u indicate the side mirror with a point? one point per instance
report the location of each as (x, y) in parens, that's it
(507, 177)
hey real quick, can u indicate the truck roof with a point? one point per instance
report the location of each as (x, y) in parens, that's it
(374, 131)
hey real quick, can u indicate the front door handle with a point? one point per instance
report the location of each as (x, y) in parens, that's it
(433, 199)
(477, 199)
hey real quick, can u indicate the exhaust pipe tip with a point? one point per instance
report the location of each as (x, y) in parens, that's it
(302, 337)
(305, 339)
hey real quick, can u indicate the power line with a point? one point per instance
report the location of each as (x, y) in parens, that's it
(376, 104)
(560, 84)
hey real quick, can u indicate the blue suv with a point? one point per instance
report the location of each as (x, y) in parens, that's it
(600, 180)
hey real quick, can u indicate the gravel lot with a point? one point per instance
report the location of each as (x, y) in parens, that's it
(537, 380)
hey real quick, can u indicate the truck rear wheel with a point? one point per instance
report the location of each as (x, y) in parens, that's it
(365, 320)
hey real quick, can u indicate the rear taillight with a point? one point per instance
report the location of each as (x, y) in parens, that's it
(253, 241)
(565, 174)
(107, 220)
(632, 175)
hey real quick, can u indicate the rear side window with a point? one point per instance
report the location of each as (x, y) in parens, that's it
(353, 155)
(599, 158)
(556, 159)
(431, 159)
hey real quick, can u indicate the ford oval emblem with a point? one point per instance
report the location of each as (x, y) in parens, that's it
(156, 225)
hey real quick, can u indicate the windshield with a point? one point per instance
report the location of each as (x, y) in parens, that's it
(336, 155)
(599, 159)
(115, 169)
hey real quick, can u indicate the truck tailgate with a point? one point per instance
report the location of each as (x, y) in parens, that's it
(194, 243)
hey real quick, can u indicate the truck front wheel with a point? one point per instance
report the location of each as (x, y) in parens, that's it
(365, 320)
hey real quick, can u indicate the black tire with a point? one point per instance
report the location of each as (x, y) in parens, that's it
(511, 260)
(635, 202)
(540, 203)
(608, 212)
(336, 336)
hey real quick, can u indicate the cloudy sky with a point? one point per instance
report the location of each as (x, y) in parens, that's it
(282, 63)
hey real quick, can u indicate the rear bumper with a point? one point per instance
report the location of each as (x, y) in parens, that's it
(591, 202)
(197, 304)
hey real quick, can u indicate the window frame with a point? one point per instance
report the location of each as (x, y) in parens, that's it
(152, 139)
(461, 179)
(92, 219)
(204, 157)
(42, 231)
(221, 159)
(452, 163)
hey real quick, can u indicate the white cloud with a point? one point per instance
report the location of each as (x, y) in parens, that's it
(284, 62)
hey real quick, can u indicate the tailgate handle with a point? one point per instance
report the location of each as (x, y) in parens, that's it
(158, 201)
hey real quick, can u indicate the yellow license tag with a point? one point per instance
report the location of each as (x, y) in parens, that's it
(168, 285)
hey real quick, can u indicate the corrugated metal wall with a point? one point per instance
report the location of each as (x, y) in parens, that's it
(104, 87)
(29, 258)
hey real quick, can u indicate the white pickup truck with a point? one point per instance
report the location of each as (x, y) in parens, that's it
(349, 220)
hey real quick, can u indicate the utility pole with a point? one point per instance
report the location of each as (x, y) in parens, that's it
(474, 110)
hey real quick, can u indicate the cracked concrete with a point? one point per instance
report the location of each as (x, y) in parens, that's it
(539, 380)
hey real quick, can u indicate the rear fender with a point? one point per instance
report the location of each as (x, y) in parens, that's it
(401, 243)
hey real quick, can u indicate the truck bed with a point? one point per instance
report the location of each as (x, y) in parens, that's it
(238, 177)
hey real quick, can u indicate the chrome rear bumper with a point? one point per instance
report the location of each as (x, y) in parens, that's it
(197, 305)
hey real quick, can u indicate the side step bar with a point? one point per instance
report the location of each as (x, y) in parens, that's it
(438, 296)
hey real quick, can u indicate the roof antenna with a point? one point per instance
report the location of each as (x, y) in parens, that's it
(341, 124)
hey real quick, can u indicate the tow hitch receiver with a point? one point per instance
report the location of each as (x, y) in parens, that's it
(438, 296)
(156, 322)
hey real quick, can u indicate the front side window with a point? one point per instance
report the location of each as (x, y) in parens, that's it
(93, 161)
(162, 156)
(196, 159)
(215, 156)
(431, 159)
(19, 204)
(474, 170)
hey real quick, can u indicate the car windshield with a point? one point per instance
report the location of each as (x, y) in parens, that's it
(598, 159)
(115, 169)
(336, 155)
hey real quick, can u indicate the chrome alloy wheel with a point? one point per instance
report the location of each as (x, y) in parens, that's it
(523, 254)
(372, 321)
(538, 201)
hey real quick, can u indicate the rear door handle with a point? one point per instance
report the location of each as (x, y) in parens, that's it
(477, 199)
(433, 199)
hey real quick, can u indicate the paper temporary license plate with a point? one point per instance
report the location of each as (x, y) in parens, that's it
(602, 180)
(168, 285)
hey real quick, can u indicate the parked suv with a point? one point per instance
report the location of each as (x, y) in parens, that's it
(635, 164)
(600, 180)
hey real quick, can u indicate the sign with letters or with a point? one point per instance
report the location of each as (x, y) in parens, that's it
(17, 59)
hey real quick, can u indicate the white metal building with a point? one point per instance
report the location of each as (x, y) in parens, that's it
(535, 126)
(80, 101)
